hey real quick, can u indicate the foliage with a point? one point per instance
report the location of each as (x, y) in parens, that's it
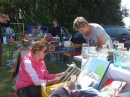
(32, 12)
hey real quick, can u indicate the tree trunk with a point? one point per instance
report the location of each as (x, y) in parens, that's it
(17, 19)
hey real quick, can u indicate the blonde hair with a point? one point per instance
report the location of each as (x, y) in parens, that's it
(38, 45)
(79, 22)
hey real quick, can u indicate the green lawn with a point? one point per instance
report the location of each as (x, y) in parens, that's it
(6, 83)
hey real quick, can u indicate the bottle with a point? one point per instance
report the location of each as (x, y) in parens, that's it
(85, 48)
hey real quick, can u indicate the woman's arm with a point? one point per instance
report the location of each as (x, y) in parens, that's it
(54, 81)
(8, 22)
(59, 74)
(32, 74)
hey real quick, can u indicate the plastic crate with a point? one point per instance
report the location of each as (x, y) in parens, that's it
(30, 28)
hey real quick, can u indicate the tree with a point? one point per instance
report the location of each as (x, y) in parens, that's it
(32, 12)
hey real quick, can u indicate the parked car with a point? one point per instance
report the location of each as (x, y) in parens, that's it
(116, 32)
(119, 33)
(77, 38)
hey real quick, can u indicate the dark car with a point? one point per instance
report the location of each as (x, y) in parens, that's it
(116, 32)
(119, 33)
(77, 38)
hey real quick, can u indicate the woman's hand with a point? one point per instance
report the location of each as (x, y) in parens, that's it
(7, 18)
(59, 74)
(56, 80)
(53, 81)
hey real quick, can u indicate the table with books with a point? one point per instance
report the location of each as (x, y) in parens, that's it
(117, 73)
(90, 76)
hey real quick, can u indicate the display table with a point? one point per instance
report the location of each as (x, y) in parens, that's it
(116, 73)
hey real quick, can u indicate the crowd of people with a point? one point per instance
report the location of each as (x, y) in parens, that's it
(55, 31)
(33, 72)
(91, 32)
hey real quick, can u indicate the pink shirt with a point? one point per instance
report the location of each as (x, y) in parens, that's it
(32, 72)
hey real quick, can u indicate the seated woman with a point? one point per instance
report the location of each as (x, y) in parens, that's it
(33, 72)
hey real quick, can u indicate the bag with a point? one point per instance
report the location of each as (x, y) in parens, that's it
(60, 92)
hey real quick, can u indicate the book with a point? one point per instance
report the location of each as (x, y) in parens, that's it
(71, 70)
(87, 79)
(96, 66)
(113, 87)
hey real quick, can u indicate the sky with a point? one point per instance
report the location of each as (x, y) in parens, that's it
(126, 19)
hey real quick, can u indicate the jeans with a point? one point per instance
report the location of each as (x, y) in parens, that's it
(30, 91)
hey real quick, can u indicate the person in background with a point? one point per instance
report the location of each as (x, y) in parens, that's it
(55, 30)
(9, 32)
(33, 72)
(38, 33)
(65, 35)
(5, 22)
(93, 33)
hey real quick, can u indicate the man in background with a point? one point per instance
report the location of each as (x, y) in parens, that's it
(9, 32)
(55, 30)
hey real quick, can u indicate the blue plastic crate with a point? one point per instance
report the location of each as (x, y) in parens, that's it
(31, 27)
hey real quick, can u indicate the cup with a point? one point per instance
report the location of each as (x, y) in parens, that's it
(68, 44)
(117, 55)
(85, 53)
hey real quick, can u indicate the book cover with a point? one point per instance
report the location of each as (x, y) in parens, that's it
(113, 87)
(97, 66)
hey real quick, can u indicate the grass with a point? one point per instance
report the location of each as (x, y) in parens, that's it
(6, 83)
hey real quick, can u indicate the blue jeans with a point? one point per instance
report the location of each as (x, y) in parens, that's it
(8, 36)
